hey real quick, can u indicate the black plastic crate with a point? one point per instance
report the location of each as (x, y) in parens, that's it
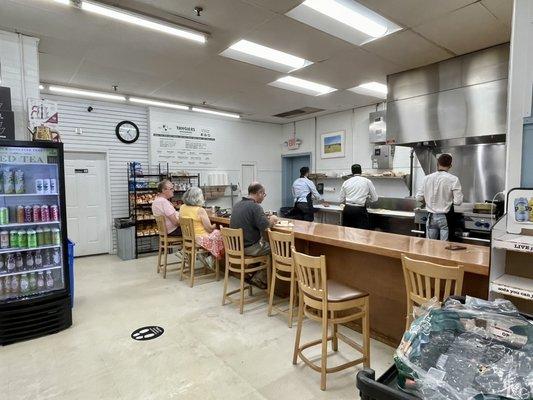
(385, 388)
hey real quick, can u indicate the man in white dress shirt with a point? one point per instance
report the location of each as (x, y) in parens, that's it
(440, 191)
(355, 192)
(304, 191)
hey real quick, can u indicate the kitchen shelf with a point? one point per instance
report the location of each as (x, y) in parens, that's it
(512, 285)
(32, 270)
(21, 250)
(29, 224)
(28, 194)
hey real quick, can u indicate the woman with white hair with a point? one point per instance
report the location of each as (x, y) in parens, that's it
(206, 235)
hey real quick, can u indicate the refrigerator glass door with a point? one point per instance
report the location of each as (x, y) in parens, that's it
(31, 245)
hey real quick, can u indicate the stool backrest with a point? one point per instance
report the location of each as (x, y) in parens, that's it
(233, 245)
(161, 226)
(311, 274)
(281, 246)
(187, 232)
(425, 280)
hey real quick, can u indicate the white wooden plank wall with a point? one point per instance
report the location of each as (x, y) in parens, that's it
(98, 134)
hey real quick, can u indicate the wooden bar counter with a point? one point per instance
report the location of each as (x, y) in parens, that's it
(371, 261)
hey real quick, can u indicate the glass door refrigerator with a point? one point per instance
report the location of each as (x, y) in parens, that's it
(34, 273)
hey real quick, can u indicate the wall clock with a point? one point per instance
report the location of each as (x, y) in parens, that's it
(127, 132)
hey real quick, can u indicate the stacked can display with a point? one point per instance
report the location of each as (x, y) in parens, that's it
(30, 238)
(30, 213)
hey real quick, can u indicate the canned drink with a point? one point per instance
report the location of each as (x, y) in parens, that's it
(56, 236)
(19, 181)
(36, 213)
(4, 239)
(47, 259)
(39, 186)
(46, 186)
(32, 238)
(9, 181)
(23, 239)
(13, 239)
(20, 214)
(47, 235)
(45, 213)
(4, 216)
(28, 214)
(40, 237)
(53, 186)
(54, 212)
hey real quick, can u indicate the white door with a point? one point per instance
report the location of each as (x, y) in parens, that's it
(247, 175)
(86, 197)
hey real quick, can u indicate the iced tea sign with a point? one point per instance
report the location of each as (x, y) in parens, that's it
(27, 155)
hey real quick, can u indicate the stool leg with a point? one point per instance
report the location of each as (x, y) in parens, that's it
(324, 357)
(272, 287)
(366, 334)
(269, 273)
(183, 256)
(241, 292)
(226, 276)
(217, 269)
(193, 265)
(335, 340)
(165, 261)
(291, 297)
(159, 258)
(298, 329)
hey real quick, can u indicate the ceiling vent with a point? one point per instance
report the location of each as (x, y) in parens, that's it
(298, 112)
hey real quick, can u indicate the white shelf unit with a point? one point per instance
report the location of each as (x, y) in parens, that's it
(511, 268)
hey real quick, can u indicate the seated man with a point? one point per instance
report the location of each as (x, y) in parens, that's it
(248, 215)
(162, 206)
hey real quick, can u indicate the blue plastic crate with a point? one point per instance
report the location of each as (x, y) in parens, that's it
(70, 252)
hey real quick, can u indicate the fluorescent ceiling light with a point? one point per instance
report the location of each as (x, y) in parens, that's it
(41, 87)
(86, 93)
(374, 89)
(208, 111)
(125, 16)
(345, 19)
(158, 103)
(65, 2)
(263, 56)
(302, 86)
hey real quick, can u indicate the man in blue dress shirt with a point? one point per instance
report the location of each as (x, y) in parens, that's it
(303, 191)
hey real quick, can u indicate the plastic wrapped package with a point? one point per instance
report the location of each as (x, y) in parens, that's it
(478, 350)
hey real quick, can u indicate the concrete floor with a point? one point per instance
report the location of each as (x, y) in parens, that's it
(206, 352)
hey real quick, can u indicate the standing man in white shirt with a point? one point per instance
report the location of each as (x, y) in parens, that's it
(355, 192)
(440, 191)
(303, 191)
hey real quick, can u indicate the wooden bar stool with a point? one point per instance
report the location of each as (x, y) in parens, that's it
(237, 262)
(423, 282)
(328, 302)
(282, 269)
(190, 251)
(166, 243)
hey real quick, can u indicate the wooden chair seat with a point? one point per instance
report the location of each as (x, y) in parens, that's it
(340, 292)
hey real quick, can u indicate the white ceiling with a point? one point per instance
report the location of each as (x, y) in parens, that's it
(85, 50)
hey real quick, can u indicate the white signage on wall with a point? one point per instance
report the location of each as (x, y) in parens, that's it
(183, 146)
(42, 112)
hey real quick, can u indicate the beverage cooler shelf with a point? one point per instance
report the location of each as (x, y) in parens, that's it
(23, 250)
(27, 194)
(49, 267)
(23, 224)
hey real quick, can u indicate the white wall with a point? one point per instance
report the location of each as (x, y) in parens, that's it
(520, 87)
(358, 150)
(98, 135)
(236, 141)
(19, 70)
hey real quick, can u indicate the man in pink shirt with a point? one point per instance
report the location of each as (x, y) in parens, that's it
(162, 206)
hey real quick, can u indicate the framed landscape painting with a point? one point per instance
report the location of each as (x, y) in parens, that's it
(332, 144)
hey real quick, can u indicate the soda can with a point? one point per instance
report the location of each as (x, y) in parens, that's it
(19, 181)
(32, 238)
(39, 186)
(4, 239)
(56, 236)
(40, 237)
(47, 235)
(53, 186)
(20, 214)
(28, 214)
(36, 213)
(4, 216)
(13, 239)
(45, 213)
(9, 181)
(23, 239)
(54, 212)
(46, 186)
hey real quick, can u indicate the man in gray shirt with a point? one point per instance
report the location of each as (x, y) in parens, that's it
(248, 215)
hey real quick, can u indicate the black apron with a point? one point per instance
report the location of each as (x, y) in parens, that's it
(450, 220)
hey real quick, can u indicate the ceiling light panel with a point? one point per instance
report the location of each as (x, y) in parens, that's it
(302, 86)
(374, 89)
(345, 19)
(65, 2)
(142, 21)
(86, 93)
(263, 56)
(158, 103)
(214, 112)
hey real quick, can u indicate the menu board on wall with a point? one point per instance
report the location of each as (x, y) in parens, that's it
(183, 146)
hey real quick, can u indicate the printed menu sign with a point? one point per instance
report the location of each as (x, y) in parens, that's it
(27, 155)
(183, 146)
